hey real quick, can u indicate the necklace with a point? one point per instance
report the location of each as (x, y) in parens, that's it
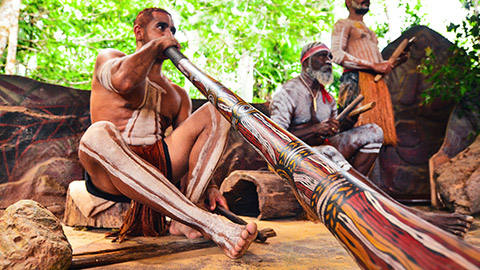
(314, 97)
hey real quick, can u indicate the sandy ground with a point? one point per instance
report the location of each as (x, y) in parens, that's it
(298, 245)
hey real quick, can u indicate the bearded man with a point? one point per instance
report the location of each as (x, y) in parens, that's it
(308, 111)
(128, 156)
(355, 48)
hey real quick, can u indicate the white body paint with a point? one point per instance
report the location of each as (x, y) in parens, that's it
(357, 52)
(209, 157)
(291, 107)
(147, 185)
(144, 126)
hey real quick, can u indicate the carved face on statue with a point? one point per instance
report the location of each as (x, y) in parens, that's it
(320, 67)
(360, 7)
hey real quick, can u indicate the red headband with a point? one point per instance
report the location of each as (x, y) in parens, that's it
(314, 50)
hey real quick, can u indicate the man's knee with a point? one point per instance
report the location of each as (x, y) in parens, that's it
(217, 122)
(97, 133)
(334, 155)
(376, 132)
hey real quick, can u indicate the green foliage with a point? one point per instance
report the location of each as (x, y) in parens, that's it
(272, 32)
(58, 40)
(381, 30)
(413, 16)
(459, 79)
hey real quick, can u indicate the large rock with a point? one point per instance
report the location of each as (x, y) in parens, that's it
(32, 238)
(403, 171)
(458, 181)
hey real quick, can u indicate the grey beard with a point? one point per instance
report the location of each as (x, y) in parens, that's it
(324, 76)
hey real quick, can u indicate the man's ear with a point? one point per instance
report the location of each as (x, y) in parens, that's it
(305, 64)
(348, 3)
(138, 30)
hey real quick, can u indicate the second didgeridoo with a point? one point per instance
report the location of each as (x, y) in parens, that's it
(378, 232)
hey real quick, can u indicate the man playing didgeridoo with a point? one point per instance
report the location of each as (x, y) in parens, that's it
(307, 110)
(128, 156)
(355, 48)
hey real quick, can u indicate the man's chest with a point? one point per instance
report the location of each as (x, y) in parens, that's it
(360, 32)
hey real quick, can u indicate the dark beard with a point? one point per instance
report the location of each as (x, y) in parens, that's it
(362, 11)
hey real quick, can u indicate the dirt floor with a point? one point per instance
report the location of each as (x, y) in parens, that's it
(298, 245)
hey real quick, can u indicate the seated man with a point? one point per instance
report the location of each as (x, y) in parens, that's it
(127, 155)
(308, 111)
(304, 107)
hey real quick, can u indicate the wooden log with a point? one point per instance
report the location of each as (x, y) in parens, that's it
(262, 194)
(377, 231)
(137, 252)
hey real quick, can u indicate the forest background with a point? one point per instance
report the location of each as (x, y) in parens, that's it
(251, 46)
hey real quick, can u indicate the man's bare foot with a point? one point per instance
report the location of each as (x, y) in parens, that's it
(247, 236)
(454, 223)
(177, 228)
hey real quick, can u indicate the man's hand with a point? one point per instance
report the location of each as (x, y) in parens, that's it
(165, 42)
(214, 196)
(328, 127)
(402, 58)
(383, 67)
(348, 123)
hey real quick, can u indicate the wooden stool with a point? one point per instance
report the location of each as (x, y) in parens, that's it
(110, 218)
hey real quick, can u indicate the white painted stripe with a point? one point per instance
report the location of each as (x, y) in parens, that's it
(386, 257)
(425, 239)
(369, 151)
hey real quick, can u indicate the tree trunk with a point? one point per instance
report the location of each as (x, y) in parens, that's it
(10, 10)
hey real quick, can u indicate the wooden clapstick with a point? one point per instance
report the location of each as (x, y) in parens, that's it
(350, 108)
(403, 47)
(262, 235)
(363, 109)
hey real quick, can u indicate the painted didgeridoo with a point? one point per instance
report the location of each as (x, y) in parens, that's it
(377, 232)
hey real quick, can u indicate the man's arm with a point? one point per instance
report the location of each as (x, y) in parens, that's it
(315, 133)
(282, 108)
(281, 112)
(128, 71)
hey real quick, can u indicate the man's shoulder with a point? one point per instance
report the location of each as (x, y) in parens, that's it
(343, 22)
(291, 84)
(288, 88)
(109, 53)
